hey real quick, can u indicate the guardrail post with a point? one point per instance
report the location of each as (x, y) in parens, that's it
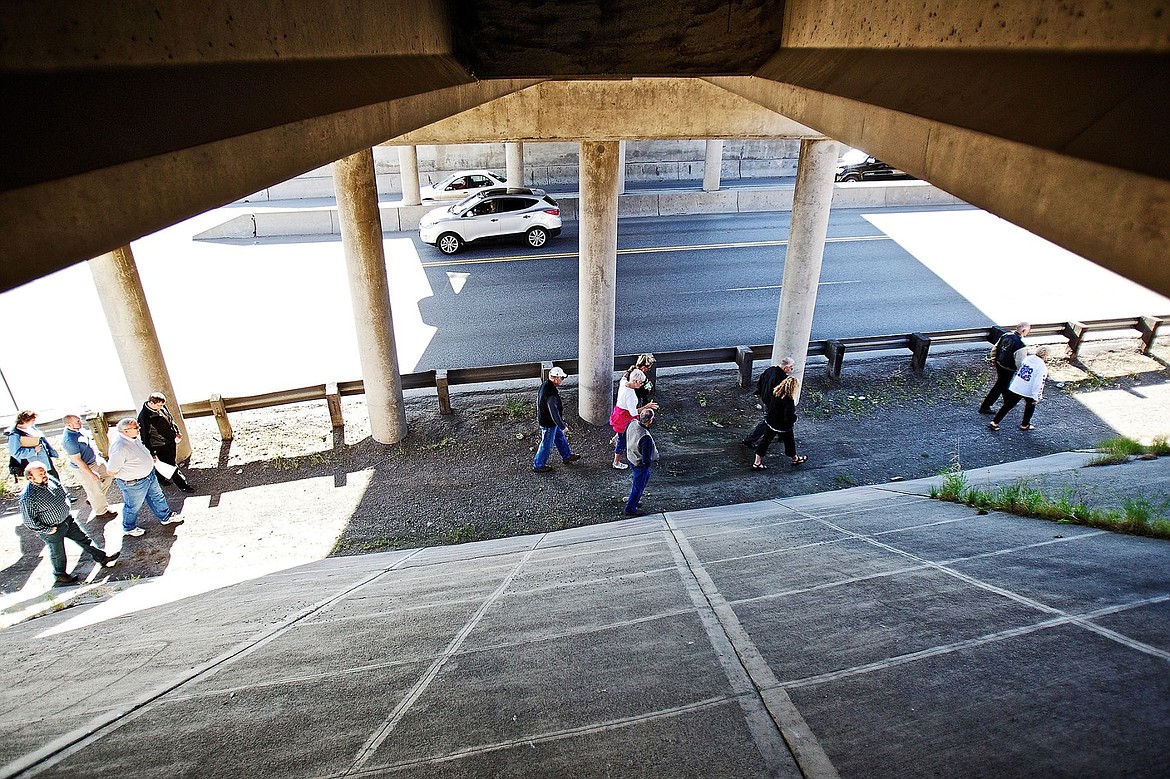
(919, 346)
(835, 352)
(219, 410)
(1148, 327)
(744, 359)
(1075, 333)
(545, 367)
(444, 390)
(333, 401)
(101, 431)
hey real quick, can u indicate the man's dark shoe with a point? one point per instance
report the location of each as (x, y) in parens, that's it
(634, 513)
(572, 458)
(185, 487)
(67, 578)
(106, 515)
(112, 558)
(542, 469)
(986, 411)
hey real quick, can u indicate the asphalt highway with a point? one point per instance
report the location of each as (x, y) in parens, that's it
(242, 318)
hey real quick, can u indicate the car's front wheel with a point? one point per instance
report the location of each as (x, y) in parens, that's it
(536, 237)
(851, 177)
(449, 243)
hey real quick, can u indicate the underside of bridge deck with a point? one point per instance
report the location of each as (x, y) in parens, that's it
(122, 118)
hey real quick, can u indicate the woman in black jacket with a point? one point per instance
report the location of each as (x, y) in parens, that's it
(160, 434)
(780, 419)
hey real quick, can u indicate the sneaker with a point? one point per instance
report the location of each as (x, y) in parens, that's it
(542, 469)
(106, 515)
(620, 466)
(173, 519)
(634, 513)
(111, 558)
(572, 458)
(135, 532)
(66, 578)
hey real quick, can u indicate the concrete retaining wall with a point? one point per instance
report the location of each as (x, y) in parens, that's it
(555, 164)
(322, 220)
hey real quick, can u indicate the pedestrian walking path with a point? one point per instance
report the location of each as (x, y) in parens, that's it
(869, 632)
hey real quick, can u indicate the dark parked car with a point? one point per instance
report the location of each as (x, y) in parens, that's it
(856, 165)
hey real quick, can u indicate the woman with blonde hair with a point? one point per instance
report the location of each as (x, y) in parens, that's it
(780, 419)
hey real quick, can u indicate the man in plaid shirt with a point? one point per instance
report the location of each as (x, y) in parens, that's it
(45, 510)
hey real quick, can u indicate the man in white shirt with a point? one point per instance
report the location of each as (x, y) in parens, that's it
(132, 466)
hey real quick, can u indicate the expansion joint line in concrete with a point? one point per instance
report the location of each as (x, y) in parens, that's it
(383, 731)
(1074, 619)
(540, 738)
(63, 746)
(744, 665)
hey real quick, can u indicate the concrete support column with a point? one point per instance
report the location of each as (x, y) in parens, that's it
(597, 278)
(621, 167)
(806, 248)
(408, 170)
(365, 261)
(119, 288)
(712, 166)
(514, 162)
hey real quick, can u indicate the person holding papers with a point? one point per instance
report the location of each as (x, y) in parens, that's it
(161, 435)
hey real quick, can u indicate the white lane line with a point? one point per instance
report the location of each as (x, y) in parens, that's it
(764, 287)
(739, 656)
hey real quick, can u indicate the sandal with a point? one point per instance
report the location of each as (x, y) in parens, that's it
(1027, 427)
(799, 460)
(992, 426)
(759, 467)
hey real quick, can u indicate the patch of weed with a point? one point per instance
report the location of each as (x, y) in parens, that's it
(444, 443)
(517, 407)
(701, 399)
(463, 534)
(1121, 445)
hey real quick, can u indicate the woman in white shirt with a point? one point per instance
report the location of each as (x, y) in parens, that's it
(1028, 385)
(624, 410)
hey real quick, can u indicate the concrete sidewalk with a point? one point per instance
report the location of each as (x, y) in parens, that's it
(869, 632)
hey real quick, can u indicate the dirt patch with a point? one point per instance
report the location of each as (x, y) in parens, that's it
(288, 479)
(468, 476)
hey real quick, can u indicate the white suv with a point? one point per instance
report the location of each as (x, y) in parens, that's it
(493, 213)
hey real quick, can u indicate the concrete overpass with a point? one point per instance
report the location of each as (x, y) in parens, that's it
(122, 118)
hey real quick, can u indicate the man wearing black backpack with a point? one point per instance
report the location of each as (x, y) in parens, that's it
(1007, 354)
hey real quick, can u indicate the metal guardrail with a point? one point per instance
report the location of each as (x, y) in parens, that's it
(834, 350)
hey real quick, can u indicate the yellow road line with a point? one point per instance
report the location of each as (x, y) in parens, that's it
(646, 250)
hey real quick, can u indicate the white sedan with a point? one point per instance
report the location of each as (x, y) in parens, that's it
(459, 185)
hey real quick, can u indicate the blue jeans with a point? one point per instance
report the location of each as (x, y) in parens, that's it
(619, 446)
(548, 437)
(56, 543)
(134, 494)
(640, 477)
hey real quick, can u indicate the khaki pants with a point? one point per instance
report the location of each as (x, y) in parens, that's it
(95, 489)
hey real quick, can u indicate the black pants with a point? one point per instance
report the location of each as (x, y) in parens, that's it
(168, 454)
(1010, 399)
(785, 435)
(1003, 377)
(757, 431)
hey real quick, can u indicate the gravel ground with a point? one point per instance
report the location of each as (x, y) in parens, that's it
(468, 476)
(288, 488)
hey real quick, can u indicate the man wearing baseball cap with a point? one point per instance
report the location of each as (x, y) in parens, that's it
(553, 429)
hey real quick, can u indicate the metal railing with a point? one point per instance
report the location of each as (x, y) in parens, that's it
(833, 349)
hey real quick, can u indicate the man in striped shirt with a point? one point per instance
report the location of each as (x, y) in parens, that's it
(45, 511)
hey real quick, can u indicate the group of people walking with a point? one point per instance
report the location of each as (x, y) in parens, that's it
(141, 451)
(1020, 375)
